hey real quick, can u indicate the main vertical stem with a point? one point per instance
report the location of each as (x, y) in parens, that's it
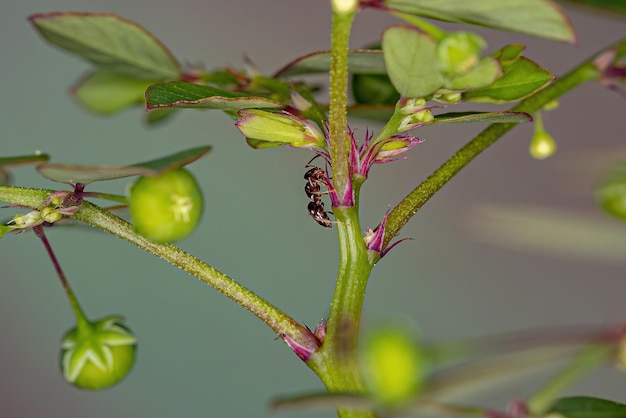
(339, 141)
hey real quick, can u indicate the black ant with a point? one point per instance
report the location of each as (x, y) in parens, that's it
(315, 178)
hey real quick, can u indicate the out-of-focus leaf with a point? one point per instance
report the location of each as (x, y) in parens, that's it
(374, 89)
(411, 61)
(522, 78)
(182, 94)
(549, 231)
(4, 229)
(5, 176)
(611, 6)
(110, 42)
(534, 17)
(105, 92)
(360, 61)
(68, 173)
(6, 162)
(156, 116)
(484, 74)
(587, 407)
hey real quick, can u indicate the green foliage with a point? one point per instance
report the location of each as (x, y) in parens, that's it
(411, 61)
(611, 194)
(533, 17)
(181, 94)
(85, 174)
(586, 407)
(110, 42)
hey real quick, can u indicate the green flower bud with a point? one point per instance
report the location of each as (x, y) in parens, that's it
(168, 207)
(459, 52)
(393, 364)
(260, 127)
(98, 355)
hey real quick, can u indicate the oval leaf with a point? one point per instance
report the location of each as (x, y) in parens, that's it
(534, 17)
(521, 79)
(105, 92)
(587, 407)
(110, 42)
(68, 173)
(360, 61)
(411, 61)
(182, 94)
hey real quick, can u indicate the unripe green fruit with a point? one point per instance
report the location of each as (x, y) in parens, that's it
(168, 207)
(98, 355)
(612, 197)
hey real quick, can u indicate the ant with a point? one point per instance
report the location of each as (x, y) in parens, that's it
(315, 178)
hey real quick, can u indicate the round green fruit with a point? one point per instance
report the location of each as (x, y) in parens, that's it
(612, 196)
(168, 207)
(98, 355)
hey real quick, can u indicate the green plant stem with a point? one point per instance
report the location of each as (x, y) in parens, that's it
(336, 362)
(277, 320)
(588, 359)
(339, 140)
(409, 206)
(82, 323)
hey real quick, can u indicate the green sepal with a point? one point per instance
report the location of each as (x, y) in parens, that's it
(98, 355)
(110, 42)
(411, 61)
(533, 17)
(4, 229)
(190, 95)
(586, 407)
(85, 174)
(105, 92)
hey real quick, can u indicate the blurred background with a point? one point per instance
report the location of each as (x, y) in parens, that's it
(512, 243)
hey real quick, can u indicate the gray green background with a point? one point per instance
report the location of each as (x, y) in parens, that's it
(200, 355)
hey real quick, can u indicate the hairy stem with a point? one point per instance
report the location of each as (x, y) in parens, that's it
(277, 320)
(339, 140)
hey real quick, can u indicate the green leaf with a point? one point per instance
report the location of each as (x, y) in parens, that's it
(110, 42)
(68, 173)
(5, 162)
(182, 94)
(587, 407)
(521, 79)
(411, 61)
(534, 17)
(360, 61)
(485, 73)
(614, 6)
(480, 117)
(105, 92)
(156, 116)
